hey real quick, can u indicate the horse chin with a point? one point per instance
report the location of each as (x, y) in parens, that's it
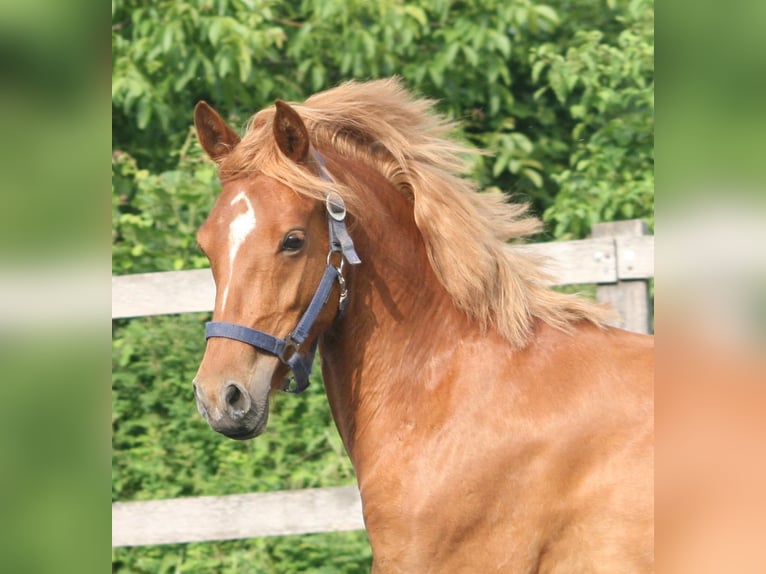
(250, 426)
(243, 434)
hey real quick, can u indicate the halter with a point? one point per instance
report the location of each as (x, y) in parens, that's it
(288, 349)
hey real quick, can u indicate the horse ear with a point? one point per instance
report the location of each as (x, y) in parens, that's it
(290, 132)
(214, 134)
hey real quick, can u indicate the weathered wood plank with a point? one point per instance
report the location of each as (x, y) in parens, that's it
(236, 516)
(572, 262)
(635, 257)
(630, 298)
(170, 292)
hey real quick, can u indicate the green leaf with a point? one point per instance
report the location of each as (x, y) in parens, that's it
(547, 13)
(500, 165)
(436, 75)
(450, 53)
(416, 13)
(557, 82)
(503, 44)
(245, 64)
(215, 31)
(471, 55)
(533, 176)
(186, 77)
(224, 65)
(494, 103)
(144, 112)
(577, 111)
(167, 38)
(317, 76)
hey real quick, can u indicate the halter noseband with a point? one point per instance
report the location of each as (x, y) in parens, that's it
(288, 349)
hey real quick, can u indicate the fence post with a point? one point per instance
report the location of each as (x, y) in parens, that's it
(630, 298)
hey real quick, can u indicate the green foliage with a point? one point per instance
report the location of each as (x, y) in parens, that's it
(605, 89)
(560, 93)
(483, 59)
(155, 216)
(166, 55)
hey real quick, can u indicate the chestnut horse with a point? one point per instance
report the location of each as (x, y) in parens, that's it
(494, 425)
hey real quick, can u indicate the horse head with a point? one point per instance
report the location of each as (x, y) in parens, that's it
(269, 248)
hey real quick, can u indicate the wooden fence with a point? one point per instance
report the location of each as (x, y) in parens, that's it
(619, 259)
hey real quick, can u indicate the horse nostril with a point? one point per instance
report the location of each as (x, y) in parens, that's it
(236, 398)
(233, 394)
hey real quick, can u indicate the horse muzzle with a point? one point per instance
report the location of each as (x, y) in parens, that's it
(233, 411)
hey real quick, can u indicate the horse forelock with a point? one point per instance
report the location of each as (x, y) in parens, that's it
(465, 232)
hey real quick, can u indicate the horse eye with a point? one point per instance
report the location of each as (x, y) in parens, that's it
(293, 241)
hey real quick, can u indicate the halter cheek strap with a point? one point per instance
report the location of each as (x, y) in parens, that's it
(288, 350)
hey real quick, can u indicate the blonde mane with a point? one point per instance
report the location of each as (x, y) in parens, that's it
(465, 232)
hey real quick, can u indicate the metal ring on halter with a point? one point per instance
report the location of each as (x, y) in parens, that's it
(336, 208)
(338, 268)
(290, 345)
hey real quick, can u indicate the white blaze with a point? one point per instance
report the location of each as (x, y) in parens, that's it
(239, 228)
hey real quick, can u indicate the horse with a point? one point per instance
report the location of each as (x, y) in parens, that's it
(494, 424)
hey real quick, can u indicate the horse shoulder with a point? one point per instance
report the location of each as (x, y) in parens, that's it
(524, 461)
(602, 472)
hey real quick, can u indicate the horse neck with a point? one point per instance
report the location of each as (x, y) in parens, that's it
(381, 354)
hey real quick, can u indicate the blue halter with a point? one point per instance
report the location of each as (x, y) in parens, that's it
(288, 349)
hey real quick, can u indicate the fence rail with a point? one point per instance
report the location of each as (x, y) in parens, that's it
(203, 518)
(619, 258)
